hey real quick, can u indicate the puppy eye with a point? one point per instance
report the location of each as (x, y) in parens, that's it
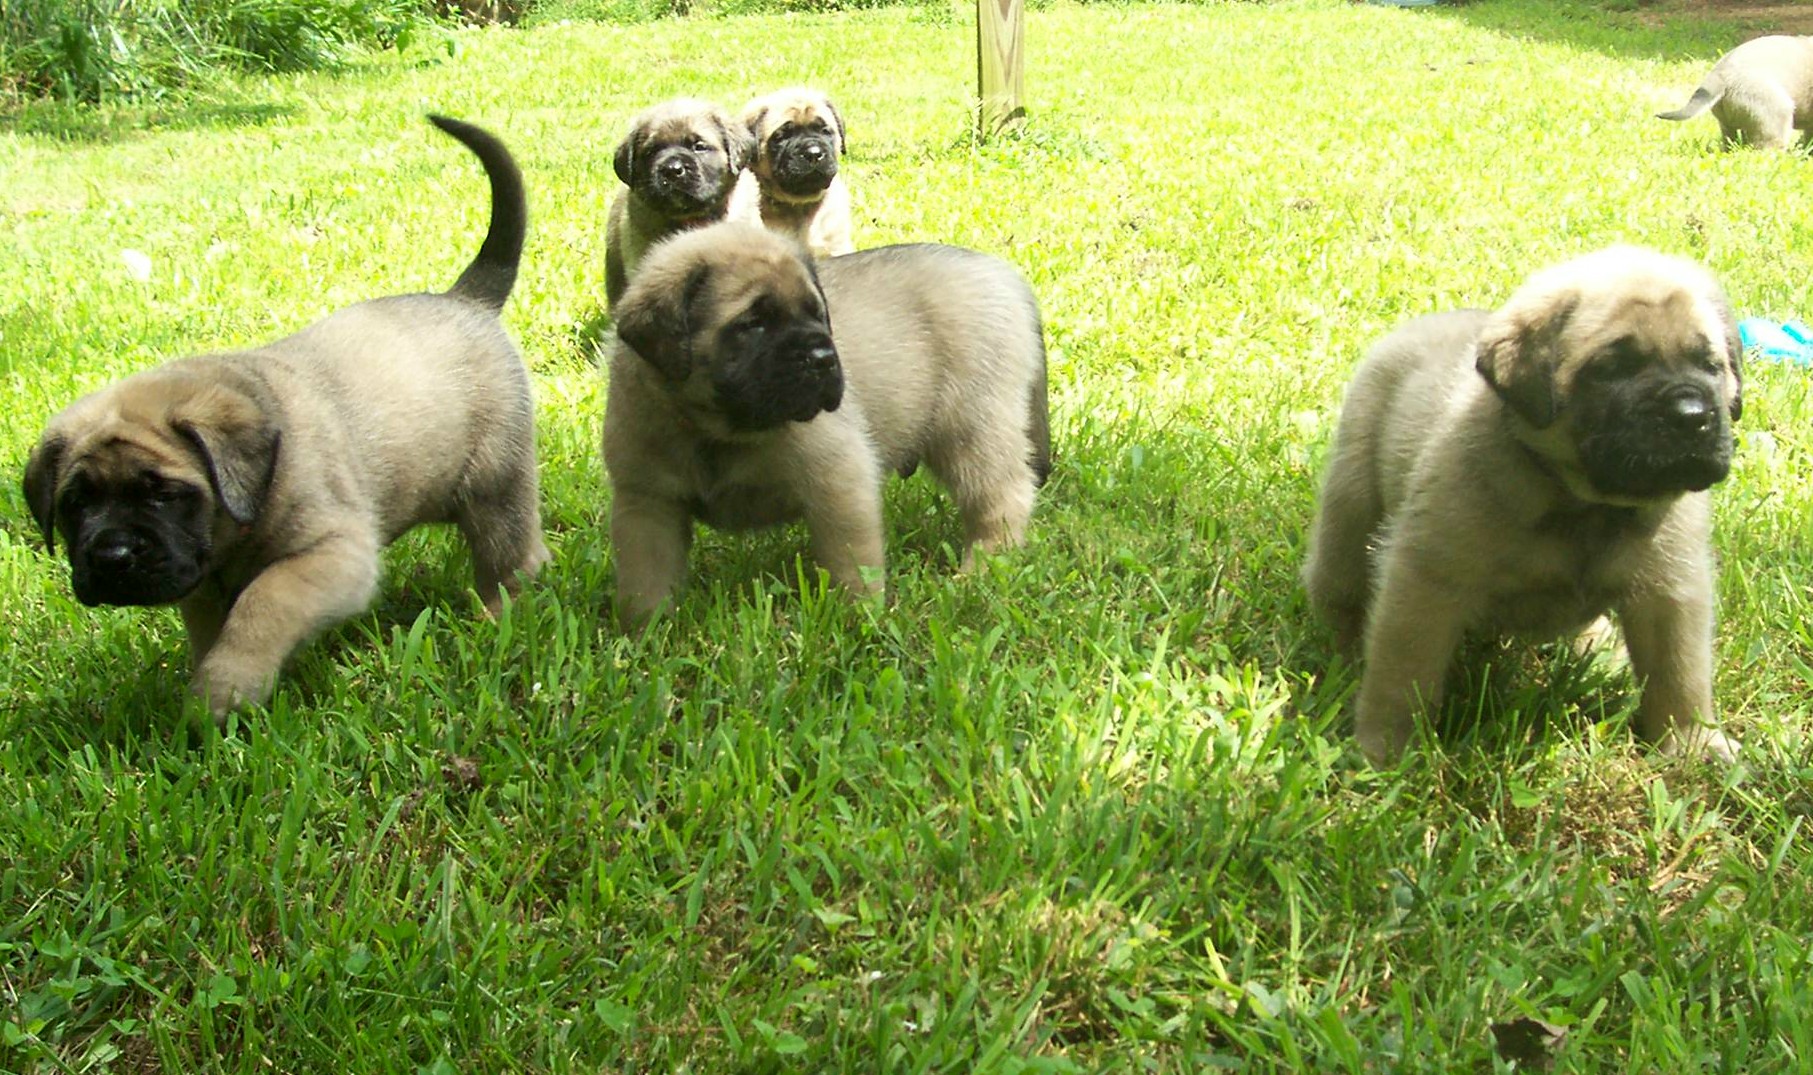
(1616, 364)
(700, 145)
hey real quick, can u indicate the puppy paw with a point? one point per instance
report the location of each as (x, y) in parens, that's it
(1703, 742)
(225, 689)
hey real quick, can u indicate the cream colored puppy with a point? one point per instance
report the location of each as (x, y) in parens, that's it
(752, 388)
(793, 184)
(1760, 92)
(1527, 470)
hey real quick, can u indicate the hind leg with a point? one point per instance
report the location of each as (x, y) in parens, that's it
(1338, 573)
(502, 527)
(1760, 118)
(990, 476)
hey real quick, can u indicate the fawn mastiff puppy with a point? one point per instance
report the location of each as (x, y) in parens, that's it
(793, 185)
(678, 165)
(1526, 470)
(1760, 92)
(255, 489)
(750, 388)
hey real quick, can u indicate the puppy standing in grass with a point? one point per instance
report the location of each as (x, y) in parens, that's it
(751, 389)
(793, 185)
(1760, 92)
(678, 164)
(1527, 470)
(256, 489)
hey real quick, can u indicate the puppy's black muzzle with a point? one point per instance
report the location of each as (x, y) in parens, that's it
(805, 166)
(127, 566)
(681, 185)
(794, 378)
(1677, 440)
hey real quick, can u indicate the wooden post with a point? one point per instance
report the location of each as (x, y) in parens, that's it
(1000, 63)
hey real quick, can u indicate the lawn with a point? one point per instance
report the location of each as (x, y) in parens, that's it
(1094, 809)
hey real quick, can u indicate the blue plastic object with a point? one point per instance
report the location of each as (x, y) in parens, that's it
(1789, 341)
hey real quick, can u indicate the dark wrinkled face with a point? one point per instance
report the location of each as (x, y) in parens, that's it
(799, 154)
(774, 362)
(1653, 413)
(134, 535)
(683, 169)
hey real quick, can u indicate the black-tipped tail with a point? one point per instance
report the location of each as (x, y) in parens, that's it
(1038, 418)
(493, 272)
(1701, 100)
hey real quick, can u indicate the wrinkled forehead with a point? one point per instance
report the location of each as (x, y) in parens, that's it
(681, 129)
(116, 451)
(742, 280)
(1663, 322)
(800, 112)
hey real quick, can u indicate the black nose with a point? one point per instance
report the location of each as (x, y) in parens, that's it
(822, 358)
(673, 168)
(1689, 411)
(117, 550)
(813, 152)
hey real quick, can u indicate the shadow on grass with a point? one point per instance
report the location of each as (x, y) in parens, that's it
(96, 126)
(1634, 29)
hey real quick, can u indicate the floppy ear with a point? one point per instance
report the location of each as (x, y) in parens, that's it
(752, 122)
(1518, 355)
(738, 142)
(1734, 355)
(625, 160)
(43, 472)
(238, 446)
(837, 118)
(656, 323)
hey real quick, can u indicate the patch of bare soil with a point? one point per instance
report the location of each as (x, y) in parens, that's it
(1762, 18)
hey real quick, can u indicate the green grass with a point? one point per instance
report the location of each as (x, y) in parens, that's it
(1092, 810)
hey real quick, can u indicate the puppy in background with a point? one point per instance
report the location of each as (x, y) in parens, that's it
(1760, 92)
(255, 490)
(752, 388)
(678, 165)
(793, 185)
(1528, 470)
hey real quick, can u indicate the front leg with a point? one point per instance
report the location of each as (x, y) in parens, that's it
(1414, 625)
(285, 603)
(843, 515)
(204, 614)
(1668, 632)
(650, 538)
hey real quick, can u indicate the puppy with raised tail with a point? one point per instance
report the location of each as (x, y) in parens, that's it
(793, 184)
(752, 388)
(254, 490)
(1760, 92)
(1527, 470)
(678, 164)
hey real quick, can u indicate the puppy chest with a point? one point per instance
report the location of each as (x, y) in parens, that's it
(740, 494)
(1558, 584)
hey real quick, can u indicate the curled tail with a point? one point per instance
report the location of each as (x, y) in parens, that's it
(492, 274)
(1038, 424)
(1703, 98)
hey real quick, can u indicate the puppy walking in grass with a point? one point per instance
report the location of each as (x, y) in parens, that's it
(255, 490)
(1760, 92)
(1526, 471)
(752, 388)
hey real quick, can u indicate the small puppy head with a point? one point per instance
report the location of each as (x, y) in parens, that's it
(144, 479)
(733, 319)
(1633, 359)
(681, 158)
(798, 139)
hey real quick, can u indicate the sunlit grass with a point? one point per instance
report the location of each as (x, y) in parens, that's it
(1091, 810)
